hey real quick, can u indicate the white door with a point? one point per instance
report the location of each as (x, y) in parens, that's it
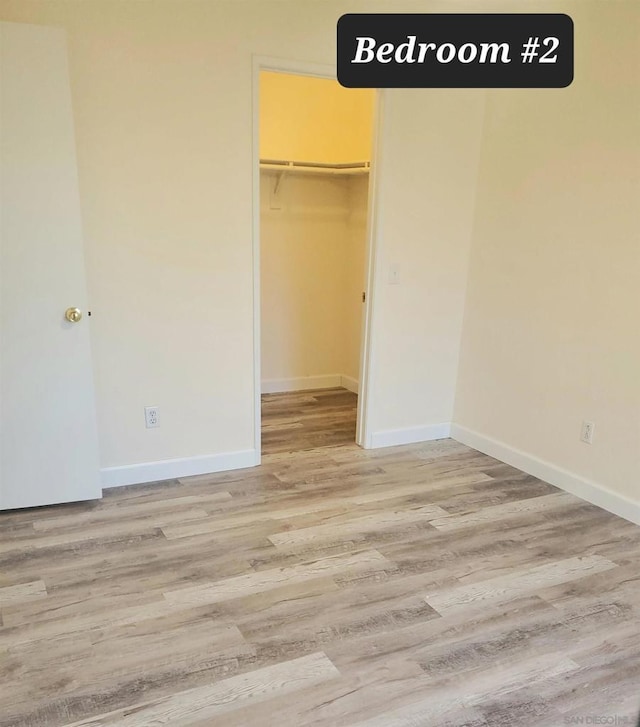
(48, 438)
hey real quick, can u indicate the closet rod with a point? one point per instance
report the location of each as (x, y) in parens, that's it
(321, 167)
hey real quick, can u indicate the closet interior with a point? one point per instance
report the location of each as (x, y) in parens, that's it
(315, 153)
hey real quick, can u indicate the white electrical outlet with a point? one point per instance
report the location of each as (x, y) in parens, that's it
(151, 417)
(587, 432)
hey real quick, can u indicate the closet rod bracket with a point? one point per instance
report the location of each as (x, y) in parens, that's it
(276, 186)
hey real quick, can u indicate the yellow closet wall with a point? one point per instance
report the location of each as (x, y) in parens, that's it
(330, 123)
(312, 232)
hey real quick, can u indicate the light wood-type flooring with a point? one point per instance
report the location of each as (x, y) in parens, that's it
(307, 419)
(419, 586)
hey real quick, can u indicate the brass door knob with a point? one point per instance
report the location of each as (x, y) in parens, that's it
(73, 315)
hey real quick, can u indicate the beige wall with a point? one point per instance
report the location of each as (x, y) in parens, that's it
(314, 119)
(427, 188)
(552, 333)
(162, 96)
(312, 269)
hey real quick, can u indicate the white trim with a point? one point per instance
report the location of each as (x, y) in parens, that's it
(393, 437)
(255, 251)
(367, 357)
(301, 383)
(301, 68)
(348, 382)
(304, 383)
(169, 469)
(583, 488)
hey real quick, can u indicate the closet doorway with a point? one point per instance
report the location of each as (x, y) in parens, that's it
(315, 141)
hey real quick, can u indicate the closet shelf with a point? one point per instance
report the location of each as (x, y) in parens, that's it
(281, 165)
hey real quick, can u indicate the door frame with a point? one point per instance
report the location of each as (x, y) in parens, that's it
(364, 414)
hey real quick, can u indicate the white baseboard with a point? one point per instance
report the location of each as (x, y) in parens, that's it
(303, 383)
(393, 437)
(348, 382)
(585, 489)
(169, 469)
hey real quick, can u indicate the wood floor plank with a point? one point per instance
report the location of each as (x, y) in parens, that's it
(343, 529)
(506, 510)
(44, 630)
(116, 657)
(334, 702)
(264, 580)
(119, 529)
(517, 583)
(200, 703)
(222, 521)
(450, 704)
(185, 505)
(19, 594)
(495, 631)
(399, 490)
(216, 524)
